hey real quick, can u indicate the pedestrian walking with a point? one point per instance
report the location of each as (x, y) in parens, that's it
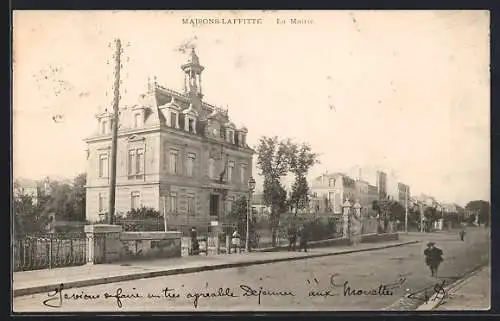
(236, 241)
(195, 246)
(292, 238)
(303, 239)
(433, 257)
(462, 235)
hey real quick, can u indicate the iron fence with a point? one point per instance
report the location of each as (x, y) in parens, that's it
(51, 250)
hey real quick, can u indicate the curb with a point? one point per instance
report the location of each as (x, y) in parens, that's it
(153, 274)
(437, 299)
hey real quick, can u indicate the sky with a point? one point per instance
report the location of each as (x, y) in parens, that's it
(406, 92)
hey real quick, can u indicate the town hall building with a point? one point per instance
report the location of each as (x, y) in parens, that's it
(175, 153)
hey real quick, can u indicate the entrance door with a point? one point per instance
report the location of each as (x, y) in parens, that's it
(214, 205)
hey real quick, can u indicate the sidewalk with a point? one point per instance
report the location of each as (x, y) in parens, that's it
(31, 282)
(472, 294)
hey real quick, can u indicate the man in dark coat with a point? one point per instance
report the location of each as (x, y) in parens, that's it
(303, 239)
(292, 238)
(433, 257)
(195, 246)
(462, 235)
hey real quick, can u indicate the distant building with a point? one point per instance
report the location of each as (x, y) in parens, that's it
(404, 194)
(176, 153)
(366, 194)
(26, 187)
(381, 180)
(330, 191)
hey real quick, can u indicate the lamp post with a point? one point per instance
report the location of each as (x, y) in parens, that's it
(356, 222)
(346, 207)
(251, 187)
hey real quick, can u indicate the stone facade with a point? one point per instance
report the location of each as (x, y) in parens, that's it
(176, 153)
(329, 191)
(366, 194)
(382, 184)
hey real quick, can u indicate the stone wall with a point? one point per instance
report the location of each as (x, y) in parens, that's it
(374, 238)
(143, 245)
(369, 225)
(108, 243)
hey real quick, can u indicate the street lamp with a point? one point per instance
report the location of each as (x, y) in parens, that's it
(346, 219)
(251, 188)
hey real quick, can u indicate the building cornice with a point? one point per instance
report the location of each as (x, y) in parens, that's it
(178, 133)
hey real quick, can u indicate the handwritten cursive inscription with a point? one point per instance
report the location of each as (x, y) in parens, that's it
(259, 292)
(380, 290)
(57, 297)
(227, 292)
(427, 293)
(120, 294)
(349, 290)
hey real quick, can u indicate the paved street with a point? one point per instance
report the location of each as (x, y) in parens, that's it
(473, 294)
(285, 286)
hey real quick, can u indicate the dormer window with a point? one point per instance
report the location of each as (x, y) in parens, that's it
(174, 119)
(241, 136)
(137, 120)
(104, 127)
(171, 113)
(190, 116)
(230, 136)
(191, 125)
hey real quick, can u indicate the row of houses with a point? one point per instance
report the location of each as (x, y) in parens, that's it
(329, 191)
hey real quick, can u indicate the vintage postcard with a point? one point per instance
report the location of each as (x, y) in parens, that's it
(250, 161)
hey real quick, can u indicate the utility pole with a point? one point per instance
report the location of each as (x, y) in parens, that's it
(421, 218)
(114, 130)
(406, 209)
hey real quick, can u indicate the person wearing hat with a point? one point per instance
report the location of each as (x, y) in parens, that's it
(462, 235)
(195, 245)
(433, 257)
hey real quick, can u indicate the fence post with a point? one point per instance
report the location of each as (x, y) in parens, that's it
(71, 251)
(50, 250)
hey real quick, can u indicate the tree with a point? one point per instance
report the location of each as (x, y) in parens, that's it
(301, 160)
(388, 210)
(482, 208)
(238, 215)
(431, 214)
(79, 196)
(413, 216)
(142, 213)
(273, 160)
(61, 202)
(396, 211)
(29, 218)
(141, 219)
